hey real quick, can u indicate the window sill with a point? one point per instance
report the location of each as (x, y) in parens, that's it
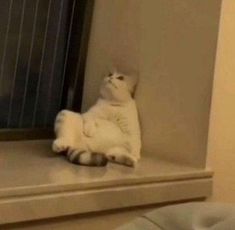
(36, 183)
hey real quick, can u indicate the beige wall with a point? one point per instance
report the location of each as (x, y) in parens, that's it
(172, 45)
(222, 128)
(94, 221)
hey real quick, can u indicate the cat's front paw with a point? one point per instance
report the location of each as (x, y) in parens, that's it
(60, 145)
(89, 127)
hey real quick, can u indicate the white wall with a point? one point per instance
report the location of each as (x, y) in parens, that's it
(221, 146)
(172, 45)
(114, 42)
(178, 47)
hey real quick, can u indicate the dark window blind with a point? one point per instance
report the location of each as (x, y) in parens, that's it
(34, 48)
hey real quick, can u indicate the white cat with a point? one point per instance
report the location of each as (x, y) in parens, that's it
(109, 130)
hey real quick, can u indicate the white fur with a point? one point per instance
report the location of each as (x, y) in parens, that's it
(110, 127)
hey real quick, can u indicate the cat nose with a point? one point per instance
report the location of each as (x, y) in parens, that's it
(107, 79)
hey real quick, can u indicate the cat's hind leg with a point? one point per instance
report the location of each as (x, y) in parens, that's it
(68, 127)
(122, 156)
(69, 139)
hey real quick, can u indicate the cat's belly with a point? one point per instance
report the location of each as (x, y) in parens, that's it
(107, 135)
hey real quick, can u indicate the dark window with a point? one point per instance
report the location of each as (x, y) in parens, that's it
(43, 45)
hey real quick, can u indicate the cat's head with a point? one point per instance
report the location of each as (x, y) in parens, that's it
(118, 87)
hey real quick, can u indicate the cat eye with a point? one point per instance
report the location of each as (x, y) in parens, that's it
(120, 78)
(110, 74)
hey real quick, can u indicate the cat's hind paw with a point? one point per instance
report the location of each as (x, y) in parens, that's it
(122, 159)
(60, 145)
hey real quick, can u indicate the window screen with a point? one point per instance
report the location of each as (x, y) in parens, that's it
(34, 50)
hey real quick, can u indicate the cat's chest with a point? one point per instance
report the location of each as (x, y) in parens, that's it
(120, 117)
(115, 113)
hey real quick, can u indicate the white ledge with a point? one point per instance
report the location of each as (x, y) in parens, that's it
(42, 184)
